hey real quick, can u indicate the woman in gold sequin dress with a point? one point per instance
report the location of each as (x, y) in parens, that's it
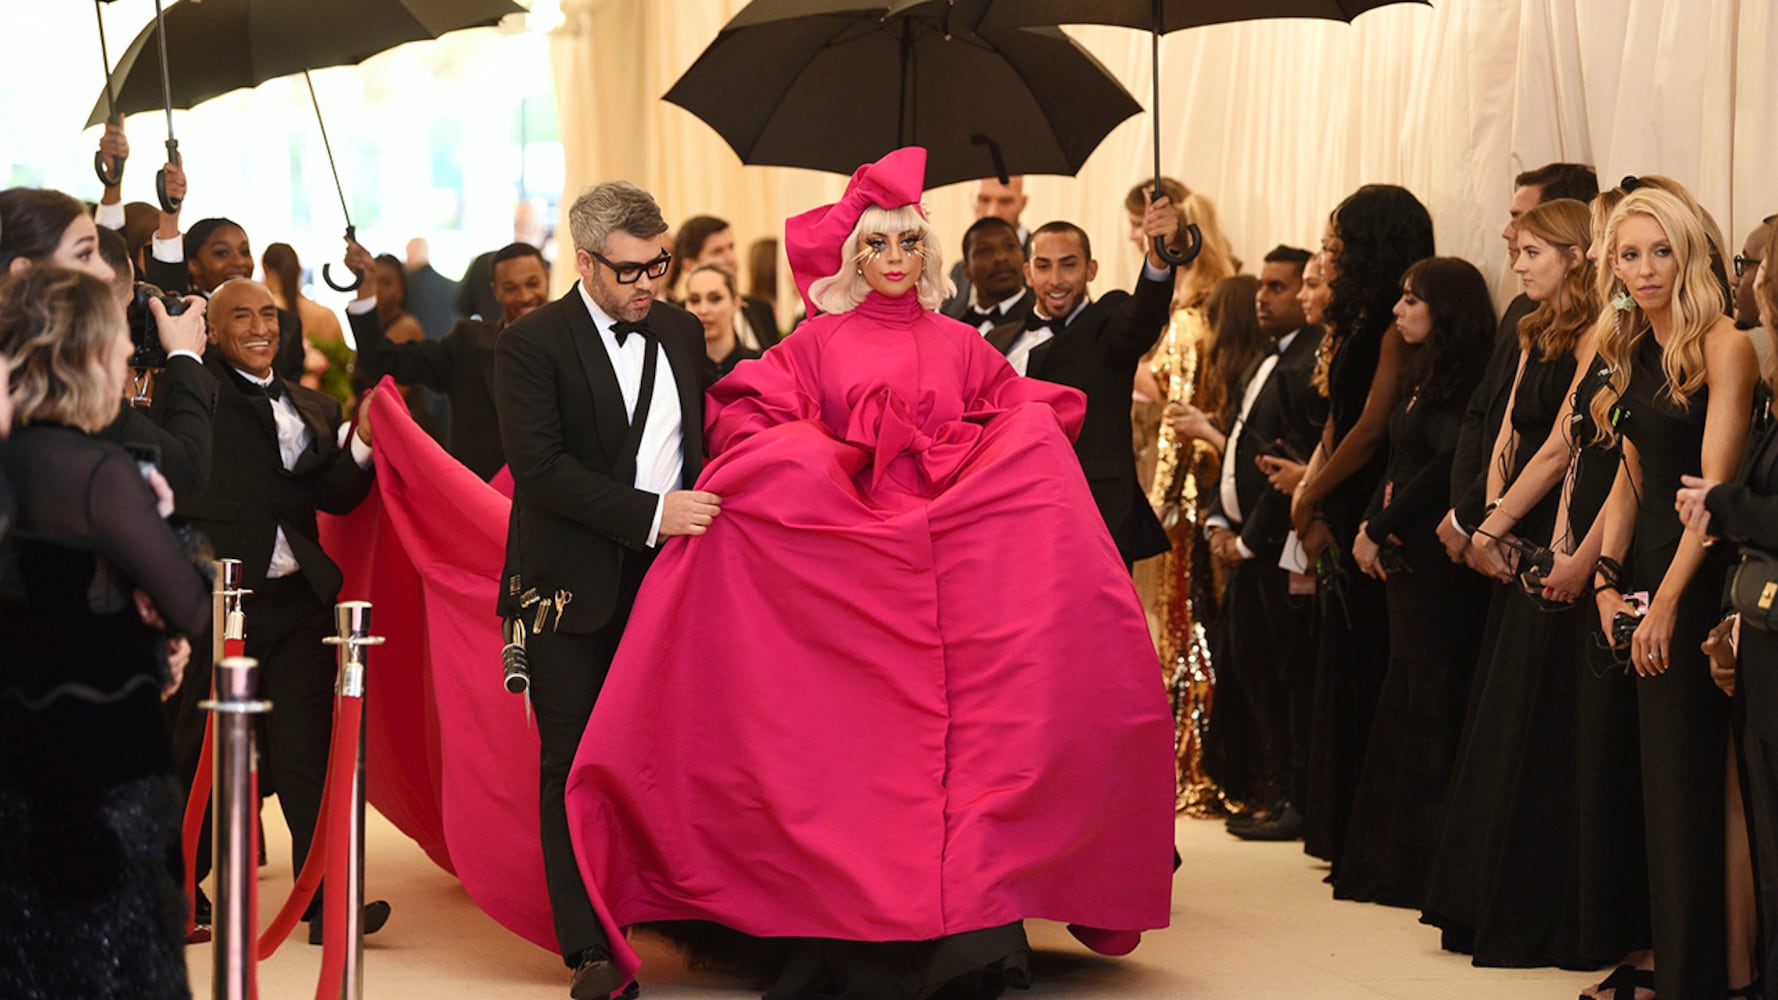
(1177, 379)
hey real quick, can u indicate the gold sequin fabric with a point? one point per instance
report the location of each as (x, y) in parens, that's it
(1186, 598)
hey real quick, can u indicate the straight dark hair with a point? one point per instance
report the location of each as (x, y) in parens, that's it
(1450, 363)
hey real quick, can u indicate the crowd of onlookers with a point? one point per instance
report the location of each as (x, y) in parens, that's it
(1477, 603)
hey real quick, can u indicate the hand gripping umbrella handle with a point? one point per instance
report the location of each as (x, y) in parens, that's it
(327, 270)
(169, 204)
(1194, 242)
(109, 169)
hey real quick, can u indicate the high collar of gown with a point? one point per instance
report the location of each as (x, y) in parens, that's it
(900, 310)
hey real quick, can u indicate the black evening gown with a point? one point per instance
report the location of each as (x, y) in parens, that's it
(88, 807)
(1435, 606)
(1683, 717)
(1502, 886)
(1351, 620)
(1611, 855)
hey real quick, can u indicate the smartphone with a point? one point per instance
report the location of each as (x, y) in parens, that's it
(147, 456)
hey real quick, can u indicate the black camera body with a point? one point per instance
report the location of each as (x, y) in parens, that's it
(145, 335)
(1623, 627)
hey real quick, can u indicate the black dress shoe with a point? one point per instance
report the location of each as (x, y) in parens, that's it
(200, 910)
(597, 976)
(376, 914)
(1283, 824)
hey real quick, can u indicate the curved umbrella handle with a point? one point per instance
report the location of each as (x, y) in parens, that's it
(327, 270)
(1194, 242)
(109, 169)
(169, 204)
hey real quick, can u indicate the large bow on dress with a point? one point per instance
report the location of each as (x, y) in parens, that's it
(882, 423)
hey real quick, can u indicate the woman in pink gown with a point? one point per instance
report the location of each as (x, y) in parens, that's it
(901, 695)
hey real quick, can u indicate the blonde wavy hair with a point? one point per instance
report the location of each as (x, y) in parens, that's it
(1554, 326)
(1697, 303)
(841, 292)
(57, 325)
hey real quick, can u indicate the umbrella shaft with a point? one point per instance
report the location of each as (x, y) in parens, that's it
(105, 58)
(1154, 108)
(328, 146)
(160, 34)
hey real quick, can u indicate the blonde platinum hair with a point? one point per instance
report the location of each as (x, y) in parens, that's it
(1697, 303)
(841, 292)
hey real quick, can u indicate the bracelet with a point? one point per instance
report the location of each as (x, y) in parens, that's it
(1610, 569)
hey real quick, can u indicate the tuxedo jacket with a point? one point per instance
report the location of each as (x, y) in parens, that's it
(763, 319)
(1098, 354)
(289, 361)
(1287, 409)
(251, 495)
(461, 366)
(180, 425)
(1002, 335)
(575, 520)
(1481, 420)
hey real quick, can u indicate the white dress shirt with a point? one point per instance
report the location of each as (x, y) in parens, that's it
(1225, 484)
(660, 461)
(999, 311)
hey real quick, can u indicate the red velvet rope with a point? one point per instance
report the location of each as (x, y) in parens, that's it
(199, 800)
(342, 761)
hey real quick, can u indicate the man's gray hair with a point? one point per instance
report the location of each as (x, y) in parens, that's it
(613, 207)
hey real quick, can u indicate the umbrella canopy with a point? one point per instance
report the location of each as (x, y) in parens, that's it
(830, 85)
(1175, 15)
(217, 46)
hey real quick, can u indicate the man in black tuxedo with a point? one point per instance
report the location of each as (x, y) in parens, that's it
(1095, 347)
(462, 364)
(1263, 633)
(211, 252)
(993, 200)
(280, 457)
(601, 406)
(1487, 405)
(994, 264)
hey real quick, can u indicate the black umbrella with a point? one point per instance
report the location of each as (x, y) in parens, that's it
(1158, 17)
(218, 46)
(830, 85)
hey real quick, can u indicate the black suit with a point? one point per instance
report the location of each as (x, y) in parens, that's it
(251, 497)
(580, 527)
(184, 410)
(462, 367)
(763, 320)
(1262, 645)
(289, 361)
(1098, 354)
(1009, 324)
(1481, 420)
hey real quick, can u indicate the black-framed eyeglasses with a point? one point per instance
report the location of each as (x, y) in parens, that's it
(629, 274)
(1745, 264)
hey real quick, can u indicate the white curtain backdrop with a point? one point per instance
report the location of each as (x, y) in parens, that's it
(1275, 121)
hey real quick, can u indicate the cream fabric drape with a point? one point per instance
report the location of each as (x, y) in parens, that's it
(1276, 121)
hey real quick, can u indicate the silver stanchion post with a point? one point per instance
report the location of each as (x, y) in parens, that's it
(225, 606)
(352, 637)
(235, 806)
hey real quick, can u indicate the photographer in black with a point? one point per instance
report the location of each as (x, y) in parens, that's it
(40, 226)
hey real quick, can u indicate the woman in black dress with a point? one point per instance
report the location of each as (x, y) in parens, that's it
(1434, 605)
(1498, 890)
(88, 807)
(1680, 399)
(1372, 238)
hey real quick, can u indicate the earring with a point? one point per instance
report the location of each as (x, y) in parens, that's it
(1622, 301)
(860, 270)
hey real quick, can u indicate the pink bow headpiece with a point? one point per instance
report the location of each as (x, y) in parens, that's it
(813, 239)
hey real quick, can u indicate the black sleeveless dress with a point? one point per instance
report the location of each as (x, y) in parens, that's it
(1352, 632)
(1497, 889)
(1434, 606)
(1683, 717)
(1610, 854)
(89, 811)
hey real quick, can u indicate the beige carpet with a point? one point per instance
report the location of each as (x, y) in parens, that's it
(1249, 921)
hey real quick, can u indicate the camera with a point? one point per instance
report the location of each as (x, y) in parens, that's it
(514, 662)
(1391, 559)
(1623, 627)
(145, 335)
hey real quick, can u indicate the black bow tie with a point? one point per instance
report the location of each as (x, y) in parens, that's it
(622, 330)
(1054, 326)
(976, 317)
(273, 389)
